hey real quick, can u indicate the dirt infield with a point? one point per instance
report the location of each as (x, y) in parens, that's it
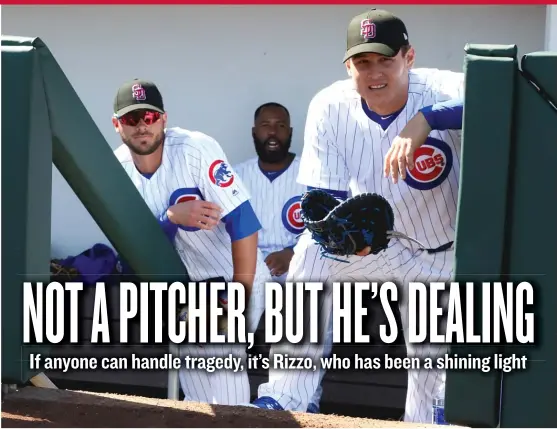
(38, 407)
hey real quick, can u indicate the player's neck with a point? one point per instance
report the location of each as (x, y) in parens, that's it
(265, 166)
(148, 164)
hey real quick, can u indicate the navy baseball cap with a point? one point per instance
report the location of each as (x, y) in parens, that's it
(138, 94)
(377, 31)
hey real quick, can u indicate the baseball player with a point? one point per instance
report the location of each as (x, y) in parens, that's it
(271, 179)
(350, 127)
(203, 206)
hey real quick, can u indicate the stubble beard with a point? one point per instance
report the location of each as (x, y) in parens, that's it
(140, 149)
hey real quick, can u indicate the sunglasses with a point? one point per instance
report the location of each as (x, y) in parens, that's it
(132, 118)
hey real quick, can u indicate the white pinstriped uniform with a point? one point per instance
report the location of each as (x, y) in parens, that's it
(190, 169)
(345, 150)
(277, 205)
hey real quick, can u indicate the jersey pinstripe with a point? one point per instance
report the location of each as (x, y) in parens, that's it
(345, 150)
(351, 149)
(194, 166)
(275, 202)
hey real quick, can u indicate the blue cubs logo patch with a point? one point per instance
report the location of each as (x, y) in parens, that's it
(433, 162)
(220, 174)
(291, 215)
(182, 195)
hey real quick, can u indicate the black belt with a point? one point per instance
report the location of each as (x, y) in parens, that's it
(399, 235)
(441, 248)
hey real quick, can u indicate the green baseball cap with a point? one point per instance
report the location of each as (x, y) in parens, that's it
(377, 31)
(138, 94)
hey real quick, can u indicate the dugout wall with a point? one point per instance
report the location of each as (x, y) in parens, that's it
(44, 122)
(506, 228)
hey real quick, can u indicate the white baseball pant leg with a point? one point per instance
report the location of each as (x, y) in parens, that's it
(407, 265)
(293, 389)
(315, 402)
(316, 399)
(224, 387)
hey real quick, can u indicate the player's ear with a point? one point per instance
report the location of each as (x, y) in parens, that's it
(115, 123)
(348, 69)
(410, 57)
(164, 118)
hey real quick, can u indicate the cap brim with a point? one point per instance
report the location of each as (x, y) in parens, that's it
(375, 48)
(133, 107)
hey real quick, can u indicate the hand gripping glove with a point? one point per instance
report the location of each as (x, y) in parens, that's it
(346, 228)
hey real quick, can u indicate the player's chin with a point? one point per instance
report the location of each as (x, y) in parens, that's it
(273, 156)
(143, 141)
(144, 147)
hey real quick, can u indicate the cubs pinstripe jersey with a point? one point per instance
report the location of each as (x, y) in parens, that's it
(276, 202)
(194, 167)
(345, 150)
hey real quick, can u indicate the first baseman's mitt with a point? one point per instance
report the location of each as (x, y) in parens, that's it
(346, 228)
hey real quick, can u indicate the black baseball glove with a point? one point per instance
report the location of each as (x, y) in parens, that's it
(346, 228)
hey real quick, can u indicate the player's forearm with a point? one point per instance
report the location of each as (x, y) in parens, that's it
(242, 226)
(244, 260)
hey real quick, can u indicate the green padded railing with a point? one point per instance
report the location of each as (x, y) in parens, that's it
(506, 228)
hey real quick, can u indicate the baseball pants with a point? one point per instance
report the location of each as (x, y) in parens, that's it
(314, 403)
(293, 389)
(224, 387)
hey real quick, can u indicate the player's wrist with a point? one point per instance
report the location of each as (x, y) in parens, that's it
(177, 217)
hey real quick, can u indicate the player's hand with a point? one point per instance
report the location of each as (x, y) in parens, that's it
(364, 252)
(278, 262)
(195, 214)
(401, 154)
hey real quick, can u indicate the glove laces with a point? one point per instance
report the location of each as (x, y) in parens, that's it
(423, 247)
